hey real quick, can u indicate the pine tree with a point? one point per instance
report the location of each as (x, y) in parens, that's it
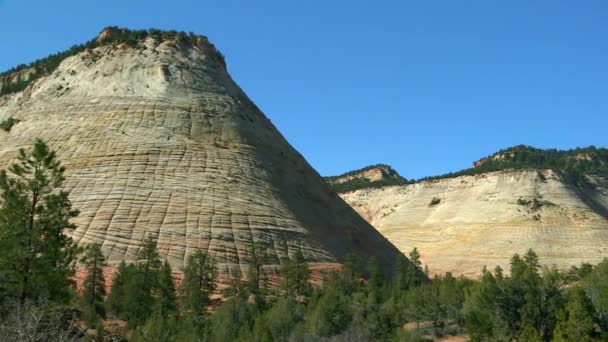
(376, 279)
(576, 321)
(400, 270)
(301, 274)
(236, 286)
(94, 283)
(295, 273)
(199, 282)
(530, 334)
(149, 260)
(255, 275)
(165, 291)
(116, 299)
(287, 275)
(415, 271)
(36, 257)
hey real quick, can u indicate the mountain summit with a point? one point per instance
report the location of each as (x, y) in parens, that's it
(158, 140)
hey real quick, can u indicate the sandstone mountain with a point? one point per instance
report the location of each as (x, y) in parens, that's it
(159, 140)
(482, 216)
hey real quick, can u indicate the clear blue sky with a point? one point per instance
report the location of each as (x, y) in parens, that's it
(426, 86)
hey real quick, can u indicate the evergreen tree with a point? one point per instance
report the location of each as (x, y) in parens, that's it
(158, 328)
(376, 279)
(301, 274)
(400, 275)
(94, 284)
(350, 277)
(165, 291)
(199, 282)
(255, 274)
(287, 280)
(596, 286)
(37, 257)
(149, 260)
(295, 273)
(283, 317)
(530, 334)
(576, 322)
(116, 299)
(136, 289)
(230, 320)
(414, 273)
(236, 288)
(330, 314)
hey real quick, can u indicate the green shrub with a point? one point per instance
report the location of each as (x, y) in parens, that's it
(7, 124)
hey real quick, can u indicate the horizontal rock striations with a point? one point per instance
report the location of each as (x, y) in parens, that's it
(158, 140)
(463, 223)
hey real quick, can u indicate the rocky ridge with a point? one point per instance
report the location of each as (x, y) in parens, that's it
(461, 224)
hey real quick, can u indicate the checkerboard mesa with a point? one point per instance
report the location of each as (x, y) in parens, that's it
(158, 140)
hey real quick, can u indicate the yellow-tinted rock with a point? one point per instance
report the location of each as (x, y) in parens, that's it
(461, 224)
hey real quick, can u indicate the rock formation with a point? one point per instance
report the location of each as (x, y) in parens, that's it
(158, 140)
(462, 223)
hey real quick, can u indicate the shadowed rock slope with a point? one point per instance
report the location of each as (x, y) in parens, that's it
(158, 139)
(462, 223)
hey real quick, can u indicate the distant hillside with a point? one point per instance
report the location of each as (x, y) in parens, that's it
(573, 163)
(373, 176)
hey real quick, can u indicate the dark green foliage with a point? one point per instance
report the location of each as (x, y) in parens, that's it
(115, 36)
(574, 163)
(165, 291)
(596, 286)
(415, 275)
(233, 318)
(576, 322)
(283, 317)
(390, 178)
(527, 305)
(7, 124)
(330, 313)
(295, 273)
(94, 284)
(142, 289)
(116, 299)
(198, 283)
(37, 258)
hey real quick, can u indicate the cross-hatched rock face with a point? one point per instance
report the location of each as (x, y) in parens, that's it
(157, 139)
(464, 223)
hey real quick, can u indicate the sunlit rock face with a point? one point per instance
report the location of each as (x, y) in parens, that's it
(464, 223)
(158, 140)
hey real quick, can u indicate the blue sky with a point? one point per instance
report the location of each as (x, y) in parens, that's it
(426, 86)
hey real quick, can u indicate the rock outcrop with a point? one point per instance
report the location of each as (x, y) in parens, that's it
(158, 140)
(461, 224)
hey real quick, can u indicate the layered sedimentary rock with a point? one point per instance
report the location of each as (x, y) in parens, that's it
(158, 140)
(463, 223)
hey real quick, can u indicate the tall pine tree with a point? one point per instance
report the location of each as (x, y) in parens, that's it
(36, 257)
(94, 284)
(199, 282)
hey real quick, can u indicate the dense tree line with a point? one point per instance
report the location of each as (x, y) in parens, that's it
(47, 65)
(358, 302)
(392, 178)
(574, 163)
